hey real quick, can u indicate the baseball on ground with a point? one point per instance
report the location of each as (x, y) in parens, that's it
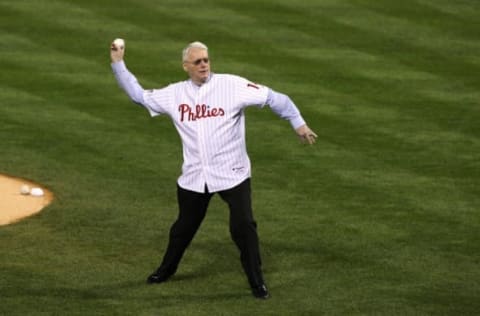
(25, 189)
(36, 192)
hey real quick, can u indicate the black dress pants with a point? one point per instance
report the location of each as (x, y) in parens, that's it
(243, 229)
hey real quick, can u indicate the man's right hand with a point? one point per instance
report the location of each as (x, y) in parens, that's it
(116, 53)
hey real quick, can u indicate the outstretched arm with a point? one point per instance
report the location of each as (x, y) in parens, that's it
(125, 78)
(284, 107)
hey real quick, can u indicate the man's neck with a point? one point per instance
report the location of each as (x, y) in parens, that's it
(201, 83)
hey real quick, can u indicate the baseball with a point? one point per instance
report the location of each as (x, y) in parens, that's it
(25, 189)
(119, 43)
(36, 192)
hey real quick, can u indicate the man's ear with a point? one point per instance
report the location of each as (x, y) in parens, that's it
(185, 67)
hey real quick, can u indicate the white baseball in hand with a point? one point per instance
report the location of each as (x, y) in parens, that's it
(119, 43)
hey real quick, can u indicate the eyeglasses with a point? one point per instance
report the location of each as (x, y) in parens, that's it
(198, 61)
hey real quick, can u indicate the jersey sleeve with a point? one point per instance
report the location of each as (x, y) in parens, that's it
(158, 101)
(284, 107)
(128, 82)
(155, 101)
(249, 93)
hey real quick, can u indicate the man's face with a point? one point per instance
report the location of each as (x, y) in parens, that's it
(197, 65)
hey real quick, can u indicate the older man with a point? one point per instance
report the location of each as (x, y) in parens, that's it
(208, 113)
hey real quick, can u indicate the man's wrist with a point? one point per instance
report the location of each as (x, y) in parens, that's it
(297, 122)
(118, 66)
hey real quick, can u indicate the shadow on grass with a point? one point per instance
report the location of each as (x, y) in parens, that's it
(137, 291)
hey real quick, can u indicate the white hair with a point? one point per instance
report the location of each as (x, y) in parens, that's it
(186, 50)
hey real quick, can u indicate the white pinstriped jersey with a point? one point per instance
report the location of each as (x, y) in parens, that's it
(211, 122)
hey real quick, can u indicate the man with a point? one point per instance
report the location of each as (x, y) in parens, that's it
(208, 113)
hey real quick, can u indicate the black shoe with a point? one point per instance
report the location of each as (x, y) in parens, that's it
(260, 292)
(157, 277)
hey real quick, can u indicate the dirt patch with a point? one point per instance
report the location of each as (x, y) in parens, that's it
(14, 205)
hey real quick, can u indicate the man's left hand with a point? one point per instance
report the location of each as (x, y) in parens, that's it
(306, 134)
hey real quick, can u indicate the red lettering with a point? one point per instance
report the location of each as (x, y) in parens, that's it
(201, 111)
(183, 108)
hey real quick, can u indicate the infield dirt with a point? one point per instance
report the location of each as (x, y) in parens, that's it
(15, 206)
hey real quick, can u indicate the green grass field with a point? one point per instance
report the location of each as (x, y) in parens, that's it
(380, 217)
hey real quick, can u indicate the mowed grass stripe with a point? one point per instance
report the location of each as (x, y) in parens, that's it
(378, 218)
